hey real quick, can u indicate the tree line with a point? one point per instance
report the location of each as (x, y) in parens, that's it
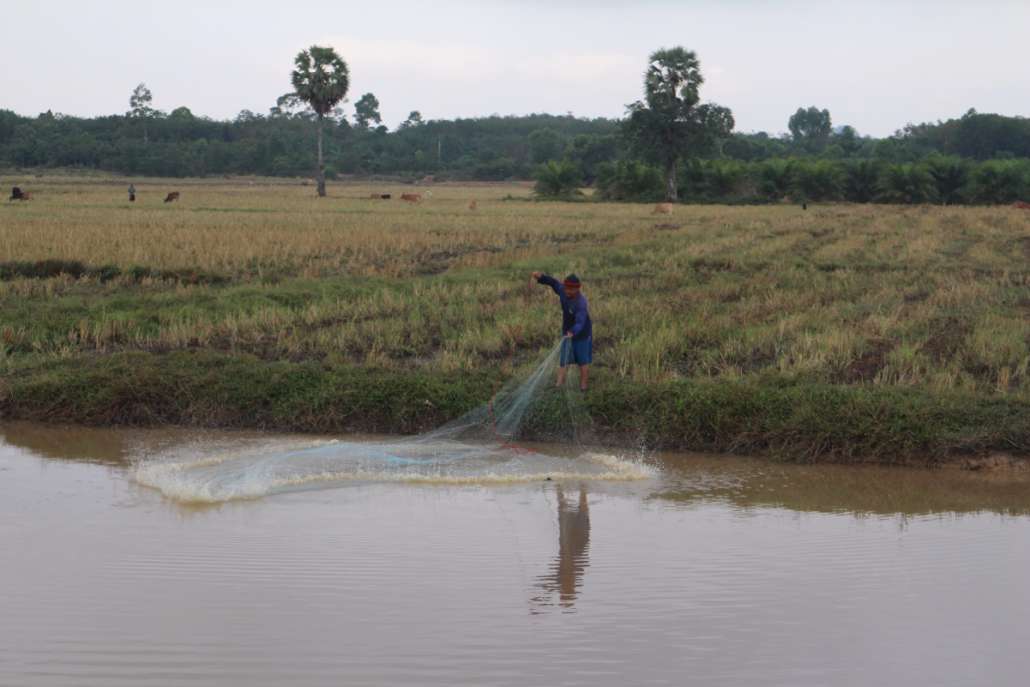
(670, 145)
(180, 144)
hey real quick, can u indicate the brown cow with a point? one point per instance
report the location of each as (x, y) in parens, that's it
(174, 195)
(662, 209)
(1021, 204)
(412, 197)
(472, 205)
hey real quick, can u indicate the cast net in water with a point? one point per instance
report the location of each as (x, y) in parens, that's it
(528, 431)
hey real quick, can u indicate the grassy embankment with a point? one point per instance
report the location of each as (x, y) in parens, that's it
(841, 333)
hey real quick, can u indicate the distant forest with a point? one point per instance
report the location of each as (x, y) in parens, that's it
(982, 158)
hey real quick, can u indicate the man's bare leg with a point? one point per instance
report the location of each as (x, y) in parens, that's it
(584, 377)
(561, 376)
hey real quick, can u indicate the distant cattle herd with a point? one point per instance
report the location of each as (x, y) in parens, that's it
(18, 194)
(660, 209)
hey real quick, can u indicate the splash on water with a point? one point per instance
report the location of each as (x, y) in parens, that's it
(249, 475)
(475, 449)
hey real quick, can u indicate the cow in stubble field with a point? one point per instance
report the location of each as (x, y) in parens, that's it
(171, 197)
(18, 194)
(662, 209)
(412, 197)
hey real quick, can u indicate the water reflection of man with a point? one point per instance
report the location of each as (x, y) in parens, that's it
(566, 570)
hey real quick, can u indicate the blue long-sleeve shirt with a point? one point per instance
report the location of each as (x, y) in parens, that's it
(575, 312)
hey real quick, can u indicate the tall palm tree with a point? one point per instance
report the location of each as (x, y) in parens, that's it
(670, 123)
(321, 79)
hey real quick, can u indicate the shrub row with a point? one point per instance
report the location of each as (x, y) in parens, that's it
(937, 179)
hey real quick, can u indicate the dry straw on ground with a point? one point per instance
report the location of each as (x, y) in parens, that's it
(935, 297)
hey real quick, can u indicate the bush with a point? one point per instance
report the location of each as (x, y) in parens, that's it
(997, 182)
(861, 181)
(950, 177)
(717, 181)
(910, 183)
(775, 179)
(820, 181)
(557, 179)
(630, 180)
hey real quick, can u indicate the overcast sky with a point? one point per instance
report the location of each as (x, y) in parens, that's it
(876, 65)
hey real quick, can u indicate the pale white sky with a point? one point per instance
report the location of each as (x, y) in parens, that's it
(876, 65)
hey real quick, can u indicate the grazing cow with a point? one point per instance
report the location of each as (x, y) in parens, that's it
(1021, 204)
(662, 209)
(472, 205)
(412, 197)
(17, 194)
(174, 195)
(380, 196)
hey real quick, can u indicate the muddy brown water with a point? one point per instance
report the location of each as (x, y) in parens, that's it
(656, 570)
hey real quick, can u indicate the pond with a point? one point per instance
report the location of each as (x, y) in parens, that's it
(211, 558)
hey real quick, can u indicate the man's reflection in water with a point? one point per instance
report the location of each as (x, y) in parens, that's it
(566, 570)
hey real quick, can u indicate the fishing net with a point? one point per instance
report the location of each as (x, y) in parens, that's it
(528, 408)
(529, 430)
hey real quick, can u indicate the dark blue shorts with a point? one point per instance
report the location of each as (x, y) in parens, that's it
(579, 352)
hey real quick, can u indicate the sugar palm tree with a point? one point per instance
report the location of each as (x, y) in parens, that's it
(671, 123)
(321, 79)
